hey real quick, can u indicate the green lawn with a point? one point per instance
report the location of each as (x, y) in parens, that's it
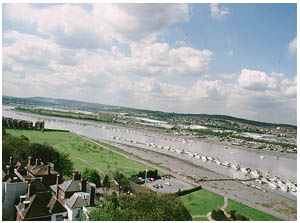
(253, 214)
(97, 156)
(200, 219)
(51, 138)
(202, 201)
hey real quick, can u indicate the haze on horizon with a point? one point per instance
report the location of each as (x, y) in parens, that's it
(231, 59)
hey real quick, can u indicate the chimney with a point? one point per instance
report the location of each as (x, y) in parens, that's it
(36, 162)
(8, 170)
(49, 168)
(11, 160)
(29, 161)
(29, 191)
(83, 185)
(92, 196)
(26, 204)
(22, 198)
(57, 179)
(76, 175)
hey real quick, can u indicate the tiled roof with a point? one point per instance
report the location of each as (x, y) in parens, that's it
(72, 186)
(41, 204)
(40, 170)
(37, 186)
(55, 206)
(78, 200)
(37, 207)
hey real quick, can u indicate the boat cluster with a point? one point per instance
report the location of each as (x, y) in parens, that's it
(274, 182)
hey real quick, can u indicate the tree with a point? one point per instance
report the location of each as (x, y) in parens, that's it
(92, 175)
(142, 207)
(124, 185)
(21, 148)
(105, 184)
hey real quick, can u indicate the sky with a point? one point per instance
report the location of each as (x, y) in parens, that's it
(231, 59)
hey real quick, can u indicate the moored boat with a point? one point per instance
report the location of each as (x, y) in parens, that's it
(218, 162)
(246, 170)
(256, 173)
(236, 166)
(227, 164)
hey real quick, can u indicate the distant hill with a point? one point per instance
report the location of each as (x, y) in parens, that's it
(59, 103)
(94, 107)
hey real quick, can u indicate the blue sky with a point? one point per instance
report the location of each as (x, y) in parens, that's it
(233, 59)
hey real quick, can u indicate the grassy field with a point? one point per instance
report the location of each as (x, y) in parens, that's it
(253, 214)
(202, 201)
(200, 219)
(90, 152)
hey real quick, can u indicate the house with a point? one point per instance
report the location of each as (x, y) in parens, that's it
(12, 188)
(77, 195)
(66, 189)
(80, 204)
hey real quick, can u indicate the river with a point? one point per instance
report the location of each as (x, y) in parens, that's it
(283, 166)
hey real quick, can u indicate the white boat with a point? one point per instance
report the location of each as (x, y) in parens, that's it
(293, 192)
(178, 151)
(274, 179)
(236, 166)
(273, 185)
(198, 156)
(210, 158)
(291, 184)
(227, 164)
(218, 162)
(246, 170)
(262, 157)
(283, 187)
(256, 173)
(204, 158)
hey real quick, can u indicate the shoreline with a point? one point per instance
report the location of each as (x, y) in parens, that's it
(268, 202)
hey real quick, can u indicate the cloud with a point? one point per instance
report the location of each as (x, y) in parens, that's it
(218, 13)
(292, 47)
(230, 53)
(256, 80)
(72, 26)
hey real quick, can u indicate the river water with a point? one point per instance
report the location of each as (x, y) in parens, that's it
(284, 167)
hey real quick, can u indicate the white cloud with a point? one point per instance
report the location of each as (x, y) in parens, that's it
(289, 87)
(230, 53)
(292, 47)
(256, 80)
(217, 12)
(74, 27)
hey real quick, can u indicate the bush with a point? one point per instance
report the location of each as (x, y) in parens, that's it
(219, 215)
(188, 191)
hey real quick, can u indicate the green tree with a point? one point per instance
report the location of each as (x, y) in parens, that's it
(142, 207)
(124, 185)
(105, 184)
(21, 148)
(92, 175)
